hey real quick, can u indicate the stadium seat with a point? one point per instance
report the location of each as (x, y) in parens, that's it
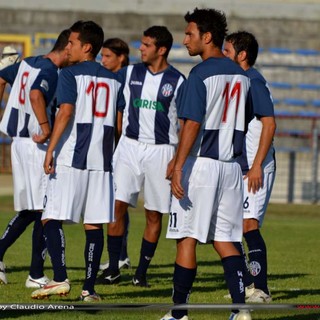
(276, 101)
(308, 86)
(307, 52)
(316, 103)
(295, 102)
(135, 44)
(134, 59)
(280, 50)
(309, 114)
(177, 45)
(285, 113)
(293, 133)
(281, 85)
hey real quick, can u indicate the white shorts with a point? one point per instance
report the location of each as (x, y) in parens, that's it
(74, 193)
(212, 207)
(255, 205)
(29, 179)
(140, 164)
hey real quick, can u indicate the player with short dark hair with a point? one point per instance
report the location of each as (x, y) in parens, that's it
(206, 181)
(162, 36)
(79, 159)
(257, 162)
(27, 120)
(241, 41)
(114, 56)
(148, 142)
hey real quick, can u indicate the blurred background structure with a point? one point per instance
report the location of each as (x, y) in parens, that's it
(289, 58)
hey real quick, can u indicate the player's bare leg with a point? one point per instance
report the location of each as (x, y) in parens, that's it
(186, 253)
(225, 249)
(153, 226)
(117, 228)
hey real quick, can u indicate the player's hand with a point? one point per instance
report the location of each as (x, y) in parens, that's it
(40, 138)
(176, 187)
(48, 163)
(255, 179)
(170, 166)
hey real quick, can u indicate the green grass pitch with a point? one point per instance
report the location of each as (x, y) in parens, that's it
(290, 231)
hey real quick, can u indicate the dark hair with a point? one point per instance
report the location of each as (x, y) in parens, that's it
(61, 41)
(245, 41)
(209, 20)
(162, 36)
(89, 32)
(118, 47)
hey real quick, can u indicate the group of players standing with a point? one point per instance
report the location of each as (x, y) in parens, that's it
(180, 139)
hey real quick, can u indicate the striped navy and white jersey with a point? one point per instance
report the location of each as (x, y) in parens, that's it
(215, 95)
(94, 91)
(32, 73)
(150, 114)
(262, 105)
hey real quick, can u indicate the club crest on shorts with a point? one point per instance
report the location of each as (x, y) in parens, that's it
(167, 90)
(255, 268)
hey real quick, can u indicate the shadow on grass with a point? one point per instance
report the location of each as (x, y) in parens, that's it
(292, 294)
(200, 264)
(275, 277)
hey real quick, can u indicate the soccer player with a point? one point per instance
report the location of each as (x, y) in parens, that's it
(206, 182)
(257, 161)
(148, 141)
(114, 56)
(81, 181)
(27, 120)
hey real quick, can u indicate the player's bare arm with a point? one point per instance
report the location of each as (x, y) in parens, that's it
(189, 134)
(255, 173)
(39, 108)
(2, 87)
(62, 119)
(118, 126)
(173, 160)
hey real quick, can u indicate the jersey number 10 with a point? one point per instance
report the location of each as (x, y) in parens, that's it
(93, 89)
